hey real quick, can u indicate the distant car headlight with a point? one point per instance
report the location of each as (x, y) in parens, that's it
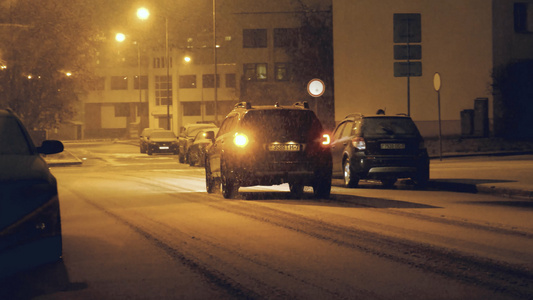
(240, 140)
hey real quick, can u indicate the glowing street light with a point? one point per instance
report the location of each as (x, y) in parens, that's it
(143, 14)
(120, 37)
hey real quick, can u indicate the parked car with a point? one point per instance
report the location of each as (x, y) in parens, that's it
(196, 152)
(379, 147)
(162, 141)
(143, 138)
(269, 145)
(187, 136)
(30, 223)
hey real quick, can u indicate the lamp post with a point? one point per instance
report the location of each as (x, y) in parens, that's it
(215, 58)
(120, 37)
(143, 14)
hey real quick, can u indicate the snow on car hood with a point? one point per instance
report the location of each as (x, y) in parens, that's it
(23, 167)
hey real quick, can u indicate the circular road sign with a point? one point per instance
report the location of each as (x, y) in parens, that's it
(316, 87)
(436, 82)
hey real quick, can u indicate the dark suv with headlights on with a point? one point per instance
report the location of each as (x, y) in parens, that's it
(161, 141)
(30, 223)
(269, 145)
(379, 147)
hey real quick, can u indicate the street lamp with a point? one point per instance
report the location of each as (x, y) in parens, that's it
(120, 37)
(215, 58)
(143, 14)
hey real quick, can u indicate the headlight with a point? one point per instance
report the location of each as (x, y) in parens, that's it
(240, 140)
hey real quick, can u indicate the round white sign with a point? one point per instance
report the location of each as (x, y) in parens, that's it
(316, 87)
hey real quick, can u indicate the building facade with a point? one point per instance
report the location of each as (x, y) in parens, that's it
(463, 41)
(251, 65)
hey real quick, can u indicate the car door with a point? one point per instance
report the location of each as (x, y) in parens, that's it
(337, 149)
(215, 151)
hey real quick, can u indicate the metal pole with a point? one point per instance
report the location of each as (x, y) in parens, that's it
(440, 126)
(408, 73)
(215, 58)
(169, 82)
(140, 92)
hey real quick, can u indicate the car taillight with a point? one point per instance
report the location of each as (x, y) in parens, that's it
(326, 139)
(359, 143)
(240, 140)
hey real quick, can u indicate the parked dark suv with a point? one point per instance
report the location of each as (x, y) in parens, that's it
(379, 147)
(269, 145)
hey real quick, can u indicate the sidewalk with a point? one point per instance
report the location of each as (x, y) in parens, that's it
(507, 173)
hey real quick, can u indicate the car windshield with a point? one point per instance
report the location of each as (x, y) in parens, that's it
(13, 141)
(287, 125)
(383, 126)
(163, 135)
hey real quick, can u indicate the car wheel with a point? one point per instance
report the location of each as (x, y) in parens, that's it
(388, 182)
(350, 179)
(322, 184)
(210, 182)
(228, 186)
(297, 189)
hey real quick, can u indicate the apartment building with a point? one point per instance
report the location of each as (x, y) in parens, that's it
(252, 65)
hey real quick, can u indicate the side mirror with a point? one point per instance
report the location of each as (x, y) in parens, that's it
(210, 135)
(50, 147)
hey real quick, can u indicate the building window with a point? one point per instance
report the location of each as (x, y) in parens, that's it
(231, 82)
(523, 17)
(159, 62)
(208, 81)
(163, 90)
(223, 107)
(282, 72)
(144, 82)
(98, 84)
(119, 82)
(187, 81)
(192, 108)
(122, 110)
(254, 38)
(285, 37)
(255, 72)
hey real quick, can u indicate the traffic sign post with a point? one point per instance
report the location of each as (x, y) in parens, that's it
(437, 85)
(407, 30)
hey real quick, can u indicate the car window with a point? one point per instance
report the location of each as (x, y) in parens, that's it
(283, 124)
(399, 127)
(338, 131)
(162, 134)
(227, 125)
(193, 131)
(347, 129)
(13, 140)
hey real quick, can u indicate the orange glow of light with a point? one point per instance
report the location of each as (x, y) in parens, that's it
(240, 140)
(326, 140)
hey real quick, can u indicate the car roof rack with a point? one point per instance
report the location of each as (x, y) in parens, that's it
(303, 104)
(243, 104)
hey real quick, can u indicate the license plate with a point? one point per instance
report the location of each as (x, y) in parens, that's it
(284, 147)
(163, 148)
(392, 146)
